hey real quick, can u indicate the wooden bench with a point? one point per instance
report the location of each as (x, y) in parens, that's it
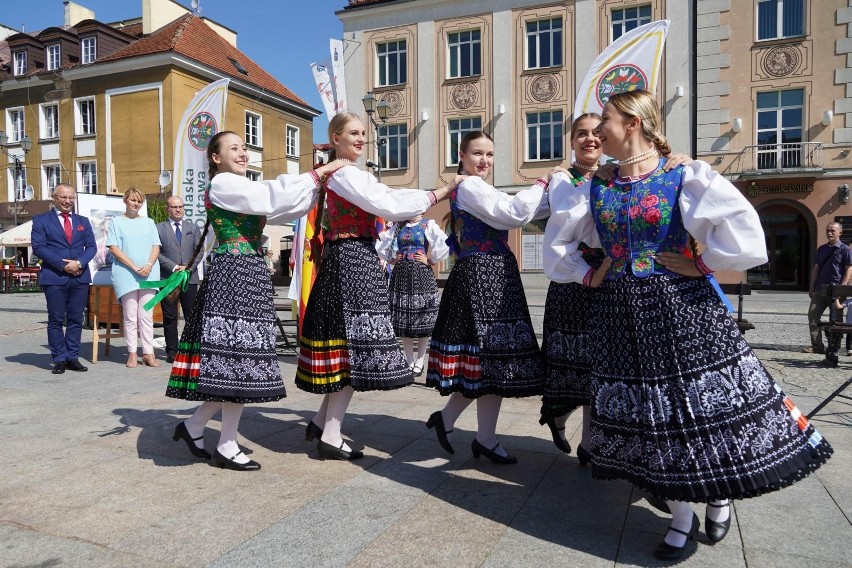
(741, 289)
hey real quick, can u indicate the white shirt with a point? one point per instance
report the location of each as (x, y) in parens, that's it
(501, 210)
(363, 190)
(437, 239)
(281, 200)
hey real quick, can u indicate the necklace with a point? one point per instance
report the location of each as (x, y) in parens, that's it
(583, 168)
(650, 152)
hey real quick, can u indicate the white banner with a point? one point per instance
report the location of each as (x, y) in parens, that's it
(202, 119)
(631, 62)
(322, 77)
(336, 47)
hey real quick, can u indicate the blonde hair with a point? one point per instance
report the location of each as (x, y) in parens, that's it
(135, 193)
(337, 125)
(642, 105)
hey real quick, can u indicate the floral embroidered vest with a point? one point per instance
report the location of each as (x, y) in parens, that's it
(236, 233)
(412, 240)
(471, 235)
(636, 219)
(347, 221)
(593, 256)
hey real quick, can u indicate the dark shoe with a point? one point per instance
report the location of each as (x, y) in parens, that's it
(555, 432)
(170, 358)
(329, 451)
(436, 421)
(226, 463)
(182, 432)
(58, 368)
(819, 349)
(312, 431)
(666, 551)
(478, 449)
(583, 455)
(74, 365)
(717, 530)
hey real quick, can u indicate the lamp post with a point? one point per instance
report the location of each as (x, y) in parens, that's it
(26, 146)
(381, 110)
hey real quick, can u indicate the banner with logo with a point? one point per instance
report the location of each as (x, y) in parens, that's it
(629, 63)
(336, 47)
(322, 78)
(202, 119)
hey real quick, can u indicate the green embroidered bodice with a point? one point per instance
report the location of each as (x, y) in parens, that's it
(236, 233)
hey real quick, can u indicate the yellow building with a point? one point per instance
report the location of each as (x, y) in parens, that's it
(102, 103)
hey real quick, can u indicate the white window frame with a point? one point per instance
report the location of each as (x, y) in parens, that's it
(48, 121)
(395, 59)
(85, 121)
(19, 62)
(87, 181)
(254, 129)
(389, 149)
(18, 182)
(49, 181)
(53, 56)
(455, 53)
(638, 20)
(781, 154)
(254, 175)
(88, 49)
(550, 39)
(546, 128)
(16, 127)
(781, 6)
(455, 135)
(292, 141)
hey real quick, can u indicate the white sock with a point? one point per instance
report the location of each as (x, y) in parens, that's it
(487, 413)
(228, 447)
(338, 402)
(456, 404)
(422, 343)
(681, 519)
(195, 424)
(721, 513)
(408, 347)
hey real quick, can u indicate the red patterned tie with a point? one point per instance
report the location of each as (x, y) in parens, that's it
(67, 223)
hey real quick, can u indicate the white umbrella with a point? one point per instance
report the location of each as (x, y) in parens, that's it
(19, 236)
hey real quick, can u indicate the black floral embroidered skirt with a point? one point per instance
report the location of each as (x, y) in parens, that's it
(566, 348)
(483, 342)
(227, 349)
(347, 336)
(413, 299)
(681, 406)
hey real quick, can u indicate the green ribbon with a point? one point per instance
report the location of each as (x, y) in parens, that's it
(176, 279)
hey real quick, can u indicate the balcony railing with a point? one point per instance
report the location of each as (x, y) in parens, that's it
(782, 158)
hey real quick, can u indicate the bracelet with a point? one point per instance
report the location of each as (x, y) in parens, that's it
(587, 279)
(432, 199)
(702, 268)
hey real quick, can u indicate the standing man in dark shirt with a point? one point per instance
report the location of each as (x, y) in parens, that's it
(833, 266)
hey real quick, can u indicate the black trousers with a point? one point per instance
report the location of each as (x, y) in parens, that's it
(170, 316)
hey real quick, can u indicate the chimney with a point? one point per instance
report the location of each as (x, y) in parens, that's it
(74, 13)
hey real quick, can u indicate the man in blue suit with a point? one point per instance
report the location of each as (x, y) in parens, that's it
(65, 243)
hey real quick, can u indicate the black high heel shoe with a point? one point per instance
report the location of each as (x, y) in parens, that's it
(182, 432)
(436, 421)
(555, 432)
(328, 451)
(666, 551)
(583, 455)
(229, 463)
(478, 449)
(312, 431)
(716, 530)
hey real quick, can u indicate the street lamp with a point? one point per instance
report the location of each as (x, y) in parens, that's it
(381, 109)
(26, 146)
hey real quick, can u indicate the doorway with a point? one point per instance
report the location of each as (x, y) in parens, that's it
(787, 247)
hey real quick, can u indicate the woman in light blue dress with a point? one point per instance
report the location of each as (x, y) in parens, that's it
(135, 245)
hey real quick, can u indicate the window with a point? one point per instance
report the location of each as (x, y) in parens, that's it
(84, 109)
(19, 62)
(15, 124)
(393, 149)
(88, 177)
(780, 18)
(19, 182)
(292, 141)
(457, 129)
(627, 19)
(253, 175)
(52, 55)
(544, 135)
(51, 180)
(89, 47)
(544, 43)
(465, 54)
(49, 121)
(253, 132)
(779, 129)
(392, 63)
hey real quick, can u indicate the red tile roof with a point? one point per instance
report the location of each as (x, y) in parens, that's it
(191, 37)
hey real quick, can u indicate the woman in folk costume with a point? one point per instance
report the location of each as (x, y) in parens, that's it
(413, 247)
(226, 356)
(483, 346)
(680, 405)
(347, 341)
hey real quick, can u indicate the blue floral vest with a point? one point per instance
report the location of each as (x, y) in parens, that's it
(412, 240)
(636, 219)
(470, 235)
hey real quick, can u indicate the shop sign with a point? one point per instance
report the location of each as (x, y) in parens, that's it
(753, 190)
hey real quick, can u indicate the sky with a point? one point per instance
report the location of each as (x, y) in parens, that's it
(282, 36)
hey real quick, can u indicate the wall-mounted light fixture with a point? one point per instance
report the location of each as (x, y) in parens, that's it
(501, 109)
(424, 115)
(843, 193)
(738, 125)
(718, 160)
(678, 91)
(826, 117)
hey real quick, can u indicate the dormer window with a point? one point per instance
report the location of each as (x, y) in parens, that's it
(19, 60)
(53, 56)
(89, 49)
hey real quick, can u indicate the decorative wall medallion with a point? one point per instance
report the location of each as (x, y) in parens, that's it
(781, 61)
(463, 95)
(544, 88)
(395, 102)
